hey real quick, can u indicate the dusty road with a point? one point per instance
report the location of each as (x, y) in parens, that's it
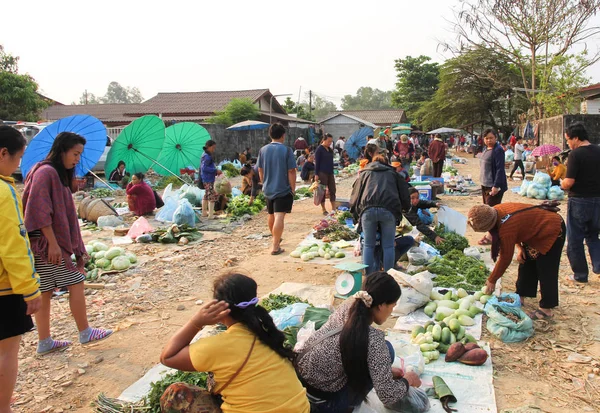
(151, 301)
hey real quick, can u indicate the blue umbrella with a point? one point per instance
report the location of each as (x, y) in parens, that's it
(249, 125)
(87, 126)
(357, 141)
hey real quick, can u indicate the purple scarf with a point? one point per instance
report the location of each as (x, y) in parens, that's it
(47, 202)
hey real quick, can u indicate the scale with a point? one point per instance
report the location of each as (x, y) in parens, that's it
(350, 281)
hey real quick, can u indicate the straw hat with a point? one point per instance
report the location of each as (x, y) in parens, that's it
(482, 218)
(403, 138)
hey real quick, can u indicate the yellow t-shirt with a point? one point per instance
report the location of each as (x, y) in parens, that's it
(267, 383)
(559, 172)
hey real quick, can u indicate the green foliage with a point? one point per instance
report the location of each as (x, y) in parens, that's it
(279, 301)
(417, 82)
(301, 110)
(455, 270)
(166, 180)
(237, 110)
(115, 93)
(230, 170)
(240, 206)
(452, 241)
(322, 107)
(19, 99)
(367, 98)
(8, 62)
(158, 388)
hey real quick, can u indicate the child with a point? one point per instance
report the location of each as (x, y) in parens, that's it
(19, 283)
(308, 169)
(425, 164)
(419, 205)
(401, 171)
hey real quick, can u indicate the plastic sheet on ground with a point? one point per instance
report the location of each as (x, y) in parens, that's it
(310, 240)
(472, 385)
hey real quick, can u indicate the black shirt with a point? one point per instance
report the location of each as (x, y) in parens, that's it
(584, 167)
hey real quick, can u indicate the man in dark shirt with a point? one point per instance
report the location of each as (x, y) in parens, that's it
(583, 214)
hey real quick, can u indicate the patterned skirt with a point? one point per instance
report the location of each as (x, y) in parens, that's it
(210, 195)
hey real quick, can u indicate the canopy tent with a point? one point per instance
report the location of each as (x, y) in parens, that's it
(443, 130)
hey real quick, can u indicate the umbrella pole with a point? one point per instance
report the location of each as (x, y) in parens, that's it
(101, 180)
(159, 164)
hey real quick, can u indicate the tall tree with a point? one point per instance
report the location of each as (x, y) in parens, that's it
(532, 34)
(367, 98)
(237, 110)
(88, 99)
(19, 97)
(300, 110)
(417, 82)
(321, 107)
(115, 93)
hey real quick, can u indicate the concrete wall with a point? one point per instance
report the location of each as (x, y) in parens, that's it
(591, 122)
(229, 142)
(341, 129)
(551, 130)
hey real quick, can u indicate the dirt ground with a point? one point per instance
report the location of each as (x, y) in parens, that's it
(149, 302)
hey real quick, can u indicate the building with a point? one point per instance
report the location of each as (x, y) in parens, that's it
(382, 117)
(179, 107)
(590, 104)
(343, 124)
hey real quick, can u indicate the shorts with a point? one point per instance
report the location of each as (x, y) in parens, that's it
(280, 204)
(56, 276)
(15, 321)
(329, 181)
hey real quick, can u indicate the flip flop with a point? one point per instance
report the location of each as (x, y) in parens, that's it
(279, 251)
(539, 315)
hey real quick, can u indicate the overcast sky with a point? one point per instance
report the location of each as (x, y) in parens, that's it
(330, 47)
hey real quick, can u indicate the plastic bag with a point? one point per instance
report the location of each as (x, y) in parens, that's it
(472, 252)
(304, 334)
(426, 219)
(505, 329)
(555, 193)
(537, 191)
(141, 226)
(431, 251)
(290, 316)
(543, 179)
(165, 214)
(222, 185)
(417, 256)
(509, 156)
(109, 221)
(416, 401)
(408, 357)
(319, 194)
(184, 214)
(416, 290)
(524, 186)
(235, 192)
(515, 301)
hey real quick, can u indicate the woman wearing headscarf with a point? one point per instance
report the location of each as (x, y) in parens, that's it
(538, 234)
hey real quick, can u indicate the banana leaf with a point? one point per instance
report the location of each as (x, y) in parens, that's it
(443, 392)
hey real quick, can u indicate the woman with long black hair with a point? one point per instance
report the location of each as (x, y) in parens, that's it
(51, 220)
(251, 368)
(347, 357)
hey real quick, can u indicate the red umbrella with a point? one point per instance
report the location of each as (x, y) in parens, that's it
(546, 149)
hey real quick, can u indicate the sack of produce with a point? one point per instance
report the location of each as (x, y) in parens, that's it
(418, 256)
(509, 324)
(415, 291)
(524, 186)
(165, 214)
(222, 186)
(504, 300)
(537, 191)
(109, 221)
(509, 156)
(425, 216)
(184, 214)
(304, 334)
(543, 179)
(555, 193)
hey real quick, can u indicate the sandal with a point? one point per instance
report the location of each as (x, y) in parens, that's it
(484, 241)
(572, 278)
(539, 315)
(278, 252)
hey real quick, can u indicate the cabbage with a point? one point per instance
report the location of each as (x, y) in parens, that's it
(537, 191)
(99, 246)
(543, 179)
(555, 193)
(103, 263)
(99, 255)
(524, 186)
(89, 249)
(121, 262)
(113, 252)
(132, 257)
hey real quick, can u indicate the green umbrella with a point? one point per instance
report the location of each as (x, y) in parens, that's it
(182, 148)
(138, 145)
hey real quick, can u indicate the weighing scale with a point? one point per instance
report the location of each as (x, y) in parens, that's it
(350, 281)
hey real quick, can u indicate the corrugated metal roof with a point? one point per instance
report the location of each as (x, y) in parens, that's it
(336, 119)
(101, 112)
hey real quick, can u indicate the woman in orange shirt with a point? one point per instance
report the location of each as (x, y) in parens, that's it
(558, 172)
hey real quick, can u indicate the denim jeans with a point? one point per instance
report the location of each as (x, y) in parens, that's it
(382, 220)
(583, 223)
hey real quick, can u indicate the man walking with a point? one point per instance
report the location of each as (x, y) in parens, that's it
(277, 170)
(437, 153)
(583, 214)
(519, 149)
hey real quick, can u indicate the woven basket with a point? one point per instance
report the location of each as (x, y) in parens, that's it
(83, 205)
(99, 208)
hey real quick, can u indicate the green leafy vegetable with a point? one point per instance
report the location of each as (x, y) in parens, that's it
(279, 301)
(230, 170)
(240, 206)
(101, 192)
(158, 388)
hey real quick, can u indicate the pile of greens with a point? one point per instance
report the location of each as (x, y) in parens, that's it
(240, 206)
(450, 169)
(164, 181)
(230, 170)
(456, 270)
(453, 241)
(101, 193)
(335, 232)
(279, 301)
(303, 193)
(158, 388)
(174, 233)
(342, 217)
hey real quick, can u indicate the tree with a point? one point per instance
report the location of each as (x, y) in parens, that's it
(322, 107)
(417, 82)
(115, 93)
(367, 98)
(19, 97)
(301, 110)
(88, 99)
(237, 110)
(531, 34)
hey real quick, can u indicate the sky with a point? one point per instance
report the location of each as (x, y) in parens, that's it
(331, 47)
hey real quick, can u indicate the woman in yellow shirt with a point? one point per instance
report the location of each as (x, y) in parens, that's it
(19, 283)
(251, 367)
(558, 172)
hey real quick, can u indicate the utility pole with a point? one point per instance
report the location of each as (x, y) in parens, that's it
(310, 103)
(86, 99)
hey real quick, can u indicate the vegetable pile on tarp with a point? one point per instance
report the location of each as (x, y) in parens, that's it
(103, 258)
(101, 193)
(451, 170)
(157, 389)
(230, 170)
(325, 250)
(330, 230)
(240, 206)
(303, 193)
(541, 188)
(452, 241)
(456, 270)
(279, 301)
(174, 234)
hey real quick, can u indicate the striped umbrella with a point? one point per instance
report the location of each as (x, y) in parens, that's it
(546, 149)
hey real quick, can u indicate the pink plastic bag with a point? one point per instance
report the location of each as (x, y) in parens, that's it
(140, 226)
